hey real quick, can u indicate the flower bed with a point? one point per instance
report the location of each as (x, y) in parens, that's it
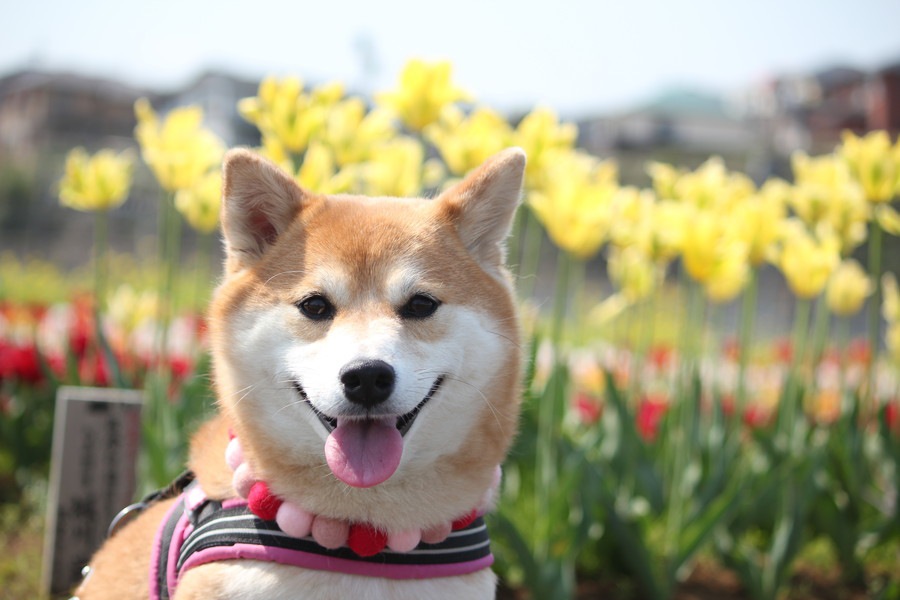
(652, 437)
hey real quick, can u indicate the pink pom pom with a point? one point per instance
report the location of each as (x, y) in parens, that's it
(242, 480)
(234, 454)
(404, 541)
(330, 533)
(293, 520)
(489, 497)
(436, 534)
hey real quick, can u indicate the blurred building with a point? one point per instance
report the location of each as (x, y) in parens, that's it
(754, 130)
(681, 126)
(43, 115)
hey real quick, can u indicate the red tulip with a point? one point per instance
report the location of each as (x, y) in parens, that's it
(650, 413)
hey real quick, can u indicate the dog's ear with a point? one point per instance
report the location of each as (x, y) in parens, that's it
(259, 201)
(483, 204)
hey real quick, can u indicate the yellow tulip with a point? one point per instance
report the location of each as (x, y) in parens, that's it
(179, 150)
(274, 150)
(98, 182)
(575, 205)
(731, 274)
(425, 89)
(467, 141)
(200, 204)
(664, 177)
(129, 308)
(328, 94)
(282, 111)
(632, 272)
(353, 134)
(891, 307)
(319, 172)
(848, 288)
(888, 218)
(874, 163)
(541, 135)
(891, 311)
(704, 246)
(807, 260)
(825, 192)
(655, 227)
(712, 186)
(758, 219)
(395, 170)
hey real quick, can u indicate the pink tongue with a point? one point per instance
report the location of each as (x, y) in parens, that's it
(364, 453)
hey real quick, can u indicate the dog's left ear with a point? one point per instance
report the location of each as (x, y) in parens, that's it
(483, 204)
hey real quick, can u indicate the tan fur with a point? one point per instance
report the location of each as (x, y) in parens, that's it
(283, 243)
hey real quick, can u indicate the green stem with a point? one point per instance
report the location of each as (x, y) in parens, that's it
(793, 385)
(101, 258)
(546, 459)
(171, 253)
(532, 240)
(843, 340)
(875, 244)
(748, 316)
(576, 286)
(204, 257)
(820, 336)
(159, 416)
(693, 330)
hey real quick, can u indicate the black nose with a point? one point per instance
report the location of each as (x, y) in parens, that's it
(367, 382)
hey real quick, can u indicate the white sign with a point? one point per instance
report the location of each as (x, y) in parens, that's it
(96, 435)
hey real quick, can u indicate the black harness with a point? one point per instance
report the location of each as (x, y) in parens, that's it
(195, 533)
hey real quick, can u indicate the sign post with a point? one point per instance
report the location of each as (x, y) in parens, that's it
(96, 435)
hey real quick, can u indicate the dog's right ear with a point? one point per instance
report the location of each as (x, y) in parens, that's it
(259, 201)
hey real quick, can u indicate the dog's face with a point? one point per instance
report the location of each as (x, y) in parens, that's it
(373, 338)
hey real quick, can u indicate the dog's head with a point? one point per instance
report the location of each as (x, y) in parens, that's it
(368, 346)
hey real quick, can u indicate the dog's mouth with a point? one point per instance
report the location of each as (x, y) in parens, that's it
(364, 451)
(403, 423)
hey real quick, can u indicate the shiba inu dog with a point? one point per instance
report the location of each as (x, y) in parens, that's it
(367, 366)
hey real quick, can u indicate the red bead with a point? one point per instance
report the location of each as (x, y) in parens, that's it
(365, 540)
(262, 502)
(463, 522)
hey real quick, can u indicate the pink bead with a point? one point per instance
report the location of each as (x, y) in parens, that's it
(293, 520)
(243, 480)
(436, 534)
(489, 497)
(234, 454)
(404, 541)
(498, 476)
(330, 533)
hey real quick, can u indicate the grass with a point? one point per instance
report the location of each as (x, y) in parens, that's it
(21, 538)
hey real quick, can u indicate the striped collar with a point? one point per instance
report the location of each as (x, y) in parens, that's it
(197, 530)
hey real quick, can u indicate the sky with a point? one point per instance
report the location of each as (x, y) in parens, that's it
(578, 57)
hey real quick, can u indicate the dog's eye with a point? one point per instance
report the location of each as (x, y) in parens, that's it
(316, 307)
(419, 307)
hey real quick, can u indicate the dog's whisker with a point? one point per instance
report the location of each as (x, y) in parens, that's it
(484, 398)
(280, 274)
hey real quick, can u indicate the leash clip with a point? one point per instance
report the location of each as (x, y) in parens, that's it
(125, 516)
